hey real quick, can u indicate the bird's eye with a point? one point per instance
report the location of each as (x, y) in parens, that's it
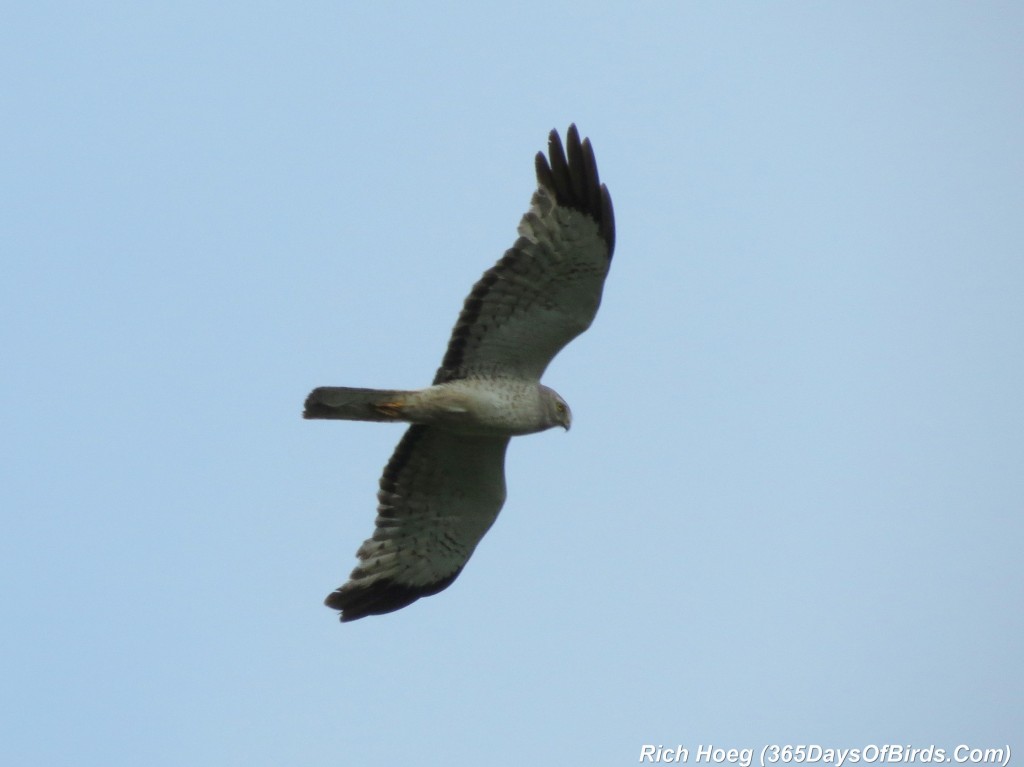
(560, 406)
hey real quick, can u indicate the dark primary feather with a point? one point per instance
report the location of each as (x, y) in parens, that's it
(382, 597)
(575, 181)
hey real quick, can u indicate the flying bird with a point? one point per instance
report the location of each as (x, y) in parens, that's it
(445, 483)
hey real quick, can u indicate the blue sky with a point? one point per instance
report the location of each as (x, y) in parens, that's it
(790, 507)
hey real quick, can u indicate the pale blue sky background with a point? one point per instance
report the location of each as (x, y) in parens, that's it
(790, 507)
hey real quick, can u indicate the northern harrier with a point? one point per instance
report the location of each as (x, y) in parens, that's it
(445, 482)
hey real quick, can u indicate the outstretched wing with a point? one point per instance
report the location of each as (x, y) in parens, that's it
(546, 289)
(439, 494)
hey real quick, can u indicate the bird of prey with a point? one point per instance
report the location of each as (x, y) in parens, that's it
(445, 482)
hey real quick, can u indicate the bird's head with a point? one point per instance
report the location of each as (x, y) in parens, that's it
(557, 409)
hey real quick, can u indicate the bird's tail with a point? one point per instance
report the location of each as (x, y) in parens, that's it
(342, 402)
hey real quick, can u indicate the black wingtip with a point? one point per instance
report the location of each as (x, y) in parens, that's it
(570, 174)
(380, 597)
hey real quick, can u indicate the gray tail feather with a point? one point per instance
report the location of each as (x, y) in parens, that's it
(342, 402)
